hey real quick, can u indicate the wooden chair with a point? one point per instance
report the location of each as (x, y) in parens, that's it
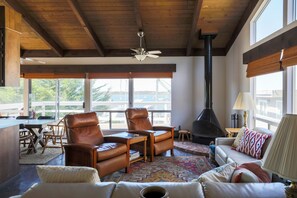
(56, 134)
(23, 131)
(27, 137)
(46, 129)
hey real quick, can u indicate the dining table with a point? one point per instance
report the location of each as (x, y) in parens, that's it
(35, 126)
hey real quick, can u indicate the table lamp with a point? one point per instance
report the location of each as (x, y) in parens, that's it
(244, 102)
(280, 157)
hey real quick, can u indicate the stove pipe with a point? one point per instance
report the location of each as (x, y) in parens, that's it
(206, 127)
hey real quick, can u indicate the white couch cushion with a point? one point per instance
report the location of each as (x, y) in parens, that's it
(73, 190)
(236, 156)
(176, 190)
(67, 174)
(244, 190)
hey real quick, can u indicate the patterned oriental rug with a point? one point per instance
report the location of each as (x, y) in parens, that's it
(164, 169)
(194, 148)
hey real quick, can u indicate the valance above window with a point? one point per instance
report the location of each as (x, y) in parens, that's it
(98, 71)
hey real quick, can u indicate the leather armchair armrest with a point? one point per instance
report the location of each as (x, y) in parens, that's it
(116, 139)
(144, 132)
(225, 140)
(163, 128)
(80, 155)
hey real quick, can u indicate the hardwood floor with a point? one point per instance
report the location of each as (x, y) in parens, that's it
(28, 176)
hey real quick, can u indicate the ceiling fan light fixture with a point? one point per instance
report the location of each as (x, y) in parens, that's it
(140, 57)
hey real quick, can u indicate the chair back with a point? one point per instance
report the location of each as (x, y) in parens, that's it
(137, 119)
(46, 118)
(83, 128)
(23, 117)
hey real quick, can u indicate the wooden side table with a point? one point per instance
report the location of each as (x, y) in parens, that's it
(133, 139)
(232, 131)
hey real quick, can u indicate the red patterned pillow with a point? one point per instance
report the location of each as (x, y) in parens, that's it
(252, 142)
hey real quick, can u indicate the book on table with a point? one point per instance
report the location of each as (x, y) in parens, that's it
(134, 154)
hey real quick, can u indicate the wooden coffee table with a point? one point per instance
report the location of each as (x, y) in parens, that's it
(133, 139)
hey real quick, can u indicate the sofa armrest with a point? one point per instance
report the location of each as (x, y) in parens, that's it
(80, 155)
(143, 132)
(225, 141)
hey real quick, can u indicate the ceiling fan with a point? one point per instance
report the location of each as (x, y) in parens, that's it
(24, 60)
(140, 53)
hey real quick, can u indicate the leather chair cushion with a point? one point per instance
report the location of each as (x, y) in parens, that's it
(136, 113)
(110, 150)
(140, 124)
(162, 135)
(163, 146)
(82, 120)
(86, 135)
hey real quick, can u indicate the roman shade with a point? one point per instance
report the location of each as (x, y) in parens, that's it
(290, 57)
(266, 65)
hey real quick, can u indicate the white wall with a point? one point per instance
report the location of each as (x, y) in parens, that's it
(187, 84)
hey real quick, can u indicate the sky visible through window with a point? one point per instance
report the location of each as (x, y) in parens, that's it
(270, 20)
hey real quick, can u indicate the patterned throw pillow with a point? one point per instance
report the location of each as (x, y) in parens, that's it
(238, 137)
(252, 142)
(219, 174)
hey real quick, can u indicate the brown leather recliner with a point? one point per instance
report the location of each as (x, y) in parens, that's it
(160, 138)
(87, 146)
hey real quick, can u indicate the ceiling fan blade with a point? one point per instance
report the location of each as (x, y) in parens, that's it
(154, 52)
(152, 56)
(135, 50)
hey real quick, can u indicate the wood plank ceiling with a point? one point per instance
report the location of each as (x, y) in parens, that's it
(90, 28)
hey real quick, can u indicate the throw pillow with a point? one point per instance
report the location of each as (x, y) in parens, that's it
(219, 174)
(67, 174)
(258, 171)
(252, 142)
(238, 137)
(242, 175)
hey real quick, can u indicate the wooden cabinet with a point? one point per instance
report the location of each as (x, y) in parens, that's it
(10, 22)
(9, 152)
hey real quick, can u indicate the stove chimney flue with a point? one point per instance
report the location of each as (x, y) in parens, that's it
(206, 127)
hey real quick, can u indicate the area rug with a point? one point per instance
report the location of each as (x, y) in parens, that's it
(164, 169)
(38, 158)
(194, 148)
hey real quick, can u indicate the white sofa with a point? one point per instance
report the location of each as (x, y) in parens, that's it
(176, 190)
(225, 154)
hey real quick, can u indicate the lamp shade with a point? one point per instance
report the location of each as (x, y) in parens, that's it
(140, 57)
(244, 102)
(281, 155)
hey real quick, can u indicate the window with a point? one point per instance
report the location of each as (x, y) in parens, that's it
(292, 11)
(111, 97)
(295, 90)
(11, 100)
(56, 97)
(269, 98)
(268, 20)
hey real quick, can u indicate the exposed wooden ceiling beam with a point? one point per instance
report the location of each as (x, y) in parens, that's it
(87, 27)
(252, 4)
(35, 26)
(197, 9)
(139, 20)
(116, 53)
